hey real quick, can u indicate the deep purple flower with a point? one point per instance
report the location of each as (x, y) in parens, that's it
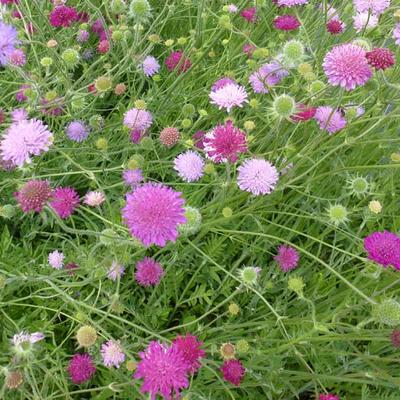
(63, 16)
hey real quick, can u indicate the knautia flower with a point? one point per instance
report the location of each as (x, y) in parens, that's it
(77, 131)
(227, 351)
(335, 26)
(169, 136)
(383, 248)
(190, 166)
(337, 214)
(65, 201)
(23, 343)
(225, 143)
(266, 76)
(148, 272)
(13, 379)
(94, 198)
(153, 213)
(150, 66)
(112, 354)
(257, 176)
(233, 371)
(365, 21)
(376, 7)
(329, 119)
(164, 371)
(328, 396)
(286, 22)
(193, 221)
(86, 336)
(190, 347)
(380, 58)
(140, 10)
(8, 41)
(136, 119)
(56, 259)
(82, 36)
(23, 140)
(229, 96)
(249, 14)
(177, 61)
(33, 195)
(284, 106)
(116, 271)
(17, 58)
(346, 66)
(293, 52)
(375, 206)
(81, 368)
(132, 177)
(19, 114)
(63, 16)
(287, 258)
(249, 275)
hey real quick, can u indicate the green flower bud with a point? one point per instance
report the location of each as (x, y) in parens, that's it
(193, 221)
(70, 57)
(387, 312)
(284, 106)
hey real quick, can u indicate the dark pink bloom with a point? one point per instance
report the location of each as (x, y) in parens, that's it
(148, 272)
(304, 113)
(335, 26)
(177, 60)
(189, 346)
(164, 371)
(33, 195)
(287, 258)
(328, 396)
(9, 1)
(198, 139)
(233, 371)
(18, 58)
(224, 143)
(71, 267)
(81, 368)
(16, 14)
(395, 338)
(249, 14)
(380, 58)
(63, 16)
(65, 201)
(286, 23)
(249, 49)
(383, 248)
(103, 47)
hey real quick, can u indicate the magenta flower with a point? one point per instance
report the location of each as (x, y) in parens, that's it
(249, 14)
(81, 368)
(24, 139)
(65, 201)
(395, 338)
(380, 58)
(164, 371)
(335, 26)
(177, 61)
(224, 143)
(56, 259)
(286, 23)
(190, 166)
(150, 66)
(346, 66)
(153, 213)
(257, 176)
(233, 371)
(383, 248)
(148, 272)
(328, 396)
(136, 119)
(329, 119)
(304, 113)
(229, 96)
(33, 195)
(220, 83)
(112, 354)
(63, 16)
(190, 347)
(287, 258)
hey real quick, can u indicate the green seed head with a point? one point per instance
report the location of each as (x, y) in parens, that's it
(234, 309)
(359, 186)
(249, 275)
(118, 6)
(46, 61)
(337, 214)
(70, 57)
(293, 51)
(86, 336)
(140, 10)
(284, 106)
(108, 237)
(296, 284)
(387, 312)
(103, 84)
(188, 110)
(242, 346)
(7, 211)
(316, 86)
(193, 221)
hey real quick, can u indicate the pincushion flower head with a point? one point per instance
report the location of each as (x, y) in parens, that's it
(380, 58)
(346, 66)
(65, 201)
(112, 354)
(115, 271)
(329, 119)
(132, 177)
(364, 21)
(23, 342)
(150, 66)
(249, 14)
(290, 3)
(335, 26)
(63, 16)
(233, 371)
(8, 41)
(225, 143)
(56, 259)
(148, 272)
(137, 119)
(81, 368)
(229, 96)
(33, 195)
(24, 139)
(376, 7)
(94, 198)
(190, 166)
(383, 248)
(257, 176)
(328, 396)
(190, 347)
(77, 131)
(287, 258)
(286, 23)
(153, 213)
(178, 61)
(267, 76)
(164, 371)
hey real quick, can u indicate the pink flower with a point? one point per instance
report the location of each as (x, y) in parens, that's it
(103, 47)
(33, 195)
(94, 198)
(17, 58)
(286, 22)
(328, 396)
(335, 26)
(383, 248)
(395, 338)
(189, 346)
(56, 259)
(132, 177)
(233, 371)
(224, 143)
(346, 66)
(136, 119)
(153, 213)
(380, 58)
(177, 61)
(164, 370)
(229, 96)
(257, 176)
(65, 200)
(290, 3)
(266, 76)
(112, 354)
(304, 113)
(189, 165)
(148, 272)
(329, 119)
(376, 7)
(81, 368)
(63, 16)
(364, 21)
(249, 14)
(287, 258)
